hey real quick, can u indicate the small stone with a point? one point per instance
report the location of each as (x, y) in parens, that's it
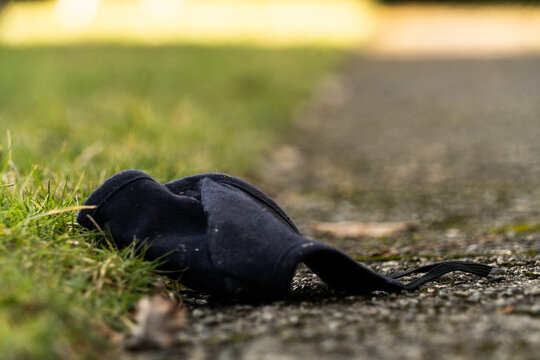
(535, 309)
(333, 326)
(328, 345)
(463, 293)
(500, 302)
(475, 297)
(512, 291)
(197, 313)
(294, 320)
(307, 334)
(210, 320)
(201, 301)
(533, 291)
(267, 315)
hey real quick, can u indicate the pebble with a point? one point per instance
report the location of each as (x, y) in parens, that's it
(197, 313)
(294, 319)
(512, 291)
(328, 345)
(535, 291)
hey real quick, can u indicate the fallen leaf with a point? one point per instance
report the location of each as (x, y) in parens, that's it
(344, 229)
(158, 320)
(509, 309)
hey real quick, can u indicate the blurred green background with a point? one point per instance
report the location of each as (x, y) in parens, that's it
(171, 110)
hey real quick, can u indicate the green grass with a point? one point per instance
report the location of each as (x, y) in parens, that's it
(77, 115)
(517, 228)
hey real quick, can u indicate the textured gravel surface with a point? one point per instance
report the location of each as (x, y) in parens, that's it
(450, 146)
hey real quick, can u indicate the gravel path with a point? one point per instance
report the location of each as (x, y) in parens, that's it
(449, 146)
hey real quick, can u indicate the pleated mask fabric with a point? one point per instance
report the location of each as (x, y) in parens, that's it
(222, 236)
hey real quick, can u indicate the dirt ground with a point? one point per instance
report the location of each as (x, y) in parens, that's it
(446, 143)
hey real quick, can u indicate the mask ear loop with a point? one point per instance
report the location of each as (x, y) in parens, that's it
(437, 270)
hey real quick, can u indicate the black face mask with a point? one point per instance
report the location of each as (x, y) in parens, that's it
(222, 236)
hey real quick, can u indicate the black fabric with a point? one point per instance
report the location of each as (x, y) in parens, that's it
(220, 235)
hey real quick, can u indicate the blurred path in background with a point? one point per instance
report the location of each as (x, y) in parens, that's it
(444, 100)
(437, 125)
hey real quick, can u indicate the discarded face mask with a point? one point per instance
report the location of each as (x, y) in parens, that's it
(220, 235)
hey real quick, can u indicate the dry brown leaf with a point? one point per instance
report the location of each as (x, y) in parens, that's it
(344, 229)
(509, 309)
(158, 320)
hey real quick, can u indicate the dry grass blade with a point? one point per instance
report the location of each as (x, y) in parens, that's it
(64, 210)
(345, 229)
(158, 320)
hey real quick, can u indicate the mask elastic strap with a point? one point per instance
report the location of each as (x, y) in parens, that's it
(437, 270)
